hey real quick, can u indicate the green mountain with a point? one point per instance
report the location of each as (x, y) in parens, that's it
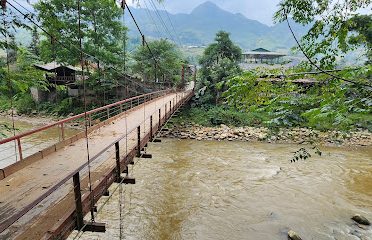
(200, 26)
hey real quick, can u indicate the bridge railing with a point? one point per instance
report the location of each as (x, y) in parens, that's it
(141, 133)
(24, 145)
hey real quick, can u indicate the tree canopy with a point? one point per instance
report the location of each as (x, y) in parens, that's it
(163, 61)
(337, 28)
(218, 63)
(101, 30)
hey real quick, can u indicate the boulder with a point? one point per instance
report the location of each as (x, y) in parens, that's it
(361, 220)
(292, 235)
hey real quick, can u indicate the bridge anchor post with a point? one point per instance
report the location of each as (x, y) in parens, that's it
(146, 155)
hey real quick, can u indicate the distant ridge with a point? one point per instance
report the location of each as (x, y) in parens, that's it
(200, 26)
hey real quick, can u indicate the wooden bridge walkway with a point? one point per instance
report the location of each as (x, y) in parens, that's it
(39, 195)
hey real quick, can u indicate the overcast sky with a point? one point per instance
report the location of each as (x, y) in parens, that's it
(261, 10)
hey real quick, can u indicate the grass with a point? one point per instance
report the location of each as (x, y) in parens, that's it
(214, 116)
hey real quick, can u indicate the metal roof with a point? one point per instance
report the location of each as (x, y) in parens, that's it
(54, 65)
(264, 54)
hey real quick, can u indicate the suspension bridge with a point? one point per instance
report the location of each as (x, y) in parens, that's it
(48, 189)
(46, 194)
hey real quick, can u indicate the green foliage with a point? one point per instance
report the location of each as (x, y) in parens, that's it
(331, 104)
(9, 20)
(101, 30)
(64, 107)
(304, 154)
(35, 42)
(168, 61)
(24, 103)
(219, 63)
(336, 28)
(216, 115)
(22, 76)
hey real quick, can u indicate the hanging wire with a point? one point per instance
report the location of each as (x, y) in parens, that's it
(162, 21)
(151, 18)
(9, 80)
(71, 46)
(315, 65)
(172, 25)
(121, 200)
(85, 112)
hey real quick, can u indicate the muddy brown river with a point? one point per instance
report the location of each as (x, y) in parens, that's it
(238, 190)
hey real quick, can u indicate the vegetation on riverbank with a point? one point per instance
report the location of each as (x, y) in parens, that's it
(324, 105)
(111, 70)
(290, 98)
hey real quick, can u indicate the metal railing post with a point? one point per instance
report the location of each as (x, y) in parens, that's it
(19, 149)
(170, 108)
(62, 132)
(117, 156)
(138, 141)
(159, 119)
(78, 204)
(151, 128)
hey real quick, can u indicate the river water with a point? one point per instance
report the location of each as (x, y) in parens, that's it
(239, 190)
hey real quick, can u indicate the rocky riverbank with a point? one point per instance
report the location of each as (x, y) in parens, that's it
(261, 134)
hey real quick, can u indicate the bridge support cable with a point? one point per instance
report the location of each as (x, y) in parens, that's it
(145, 42)
(127, 179)
(162, 21)
(152, 19)
(69, 46)
(9, 81)
(172, 25)
(369, 87)
(82, 60)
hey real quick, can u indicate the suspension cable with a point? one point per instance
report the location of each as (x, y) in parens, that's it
(126, 130)
(85, 111)
(162, 21)
(26, 16)
(9, 80)
(151, 18)
(172, 25)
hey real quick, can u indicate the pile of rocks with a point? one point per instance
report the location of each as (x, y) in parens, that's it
(294, 135)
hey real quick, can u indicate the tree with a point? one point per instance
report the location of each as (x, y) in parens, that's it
(35, 42)
(163, 62)
(103, 38)
(9, 20)
(101, 31)
(104, 32)
(60, 18)
(336, 28)
(12, 50)
(22, 76)
(219, 62)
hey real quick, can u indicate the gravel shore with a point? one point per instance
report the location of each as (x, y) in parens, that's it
(261, 134)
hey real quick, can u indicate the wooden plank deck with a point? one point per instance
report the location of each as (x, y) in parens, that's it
(22, 188)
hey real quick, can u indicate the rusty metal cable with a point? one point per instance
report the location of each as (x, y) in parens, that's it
(85, 110)
(9, 80)
(315, 65)
(126, 130)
